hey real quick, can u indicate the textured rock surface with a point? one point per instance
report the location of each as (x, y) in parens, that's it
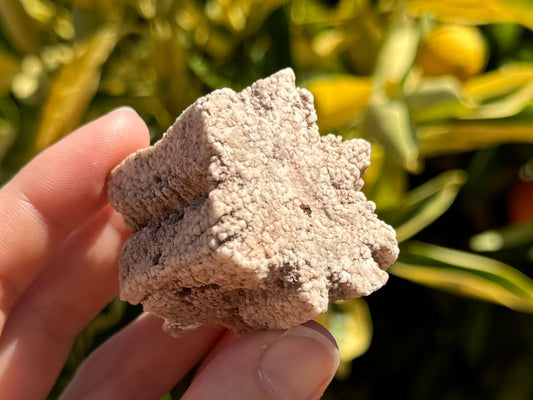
(244, 215)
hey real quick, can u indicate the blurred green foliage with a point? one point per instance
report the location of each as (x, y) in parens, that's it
(442, 88)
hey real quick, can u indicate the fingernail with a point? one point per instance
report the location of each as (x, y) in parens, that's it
(123, 108)
(300, 363)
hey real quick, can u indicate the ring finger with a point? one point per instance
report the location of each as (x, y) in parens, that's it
(78, 282)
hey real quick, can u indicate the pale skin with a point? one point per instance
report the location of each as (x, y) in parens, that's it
(59, 248)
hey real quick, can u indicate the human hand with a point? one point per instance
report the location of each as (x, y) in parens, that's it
(59, 248)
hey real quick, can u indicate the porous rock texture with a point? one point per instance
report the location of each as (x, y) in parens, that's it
(245, 216)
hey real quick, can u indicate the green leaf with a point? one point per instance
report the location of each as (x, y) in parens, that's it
(499, 82)
(521, 10)
(9, 125)
(437, 99)
(389, 123)
(7, 135)
(339, 99)
(9, 67)
(505, 238)
(465, 274)
(395, 59)
(463, 11)
(506, 36)
(505, 107)
(206, 72)
(350, 324)
(25, 33)
(74, 87)
(423, 205)
(476, 11)
(461, 136)
(385, 179)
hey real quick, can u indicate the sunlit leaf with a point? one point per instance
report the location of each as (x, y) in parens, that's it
(522, 11)
(26, 33)
(7, 134)
(339, 99)
(476, 11)
(395, 59)
(424, 204)
(108, 11)
(329, 42)
(465, 274)
(74, 87)
(385, 179)
(241, 16)
(40, 10)
(437, 99)
(206, 72)
(504, 107)
(499, 82)
(9, 67)
(318, 12)
(390, 124)
(463, 11)
(9, 121)
(461, 136)
(505, 238)
(350, 324)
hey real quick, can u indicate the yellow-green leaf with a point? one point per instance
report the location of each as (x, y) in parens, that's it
(9, 125)
(7, 134)
(350, 324)
(424, 204)
(521, 10)
(463, 11)
(465, 274)
(476, 11)
(339, 99)
(499, 82)
(437, 99)
(74, 87)
(207, 73)
(25, 33)
(385, 179)
(504, 107)
(395, 59)
(390, 124)
(9, 67)
(461, 136)
(504, 238)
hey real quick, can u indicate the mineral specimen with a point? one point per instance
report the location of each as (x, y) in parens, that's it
(245, 216)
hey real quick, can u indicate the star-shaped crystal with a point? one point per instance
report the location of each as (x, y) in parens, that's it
(244, 215)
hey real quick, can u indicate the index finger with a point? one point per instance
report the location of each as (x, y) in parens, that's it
(56, 193)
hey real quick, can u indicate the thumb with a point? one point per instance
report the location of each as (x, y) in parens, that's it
(294, 364)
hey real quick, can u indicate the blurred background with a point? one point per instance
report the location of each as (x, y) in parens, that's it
(442, 88)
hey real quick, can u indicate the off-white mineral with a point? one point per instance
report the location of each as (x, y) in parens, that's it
(245, 216)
